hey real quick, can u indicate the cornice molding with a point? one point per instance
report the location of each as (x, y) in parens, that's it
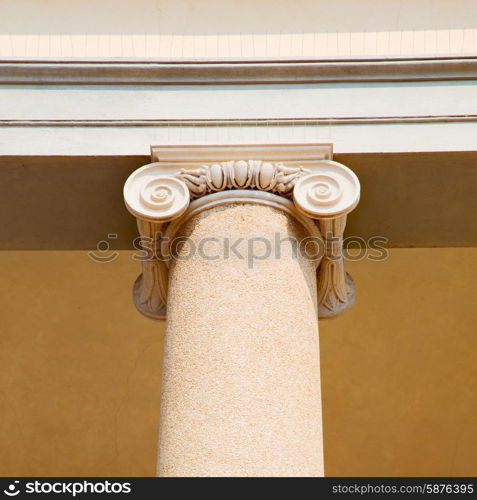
(210, 72)
(239, 122)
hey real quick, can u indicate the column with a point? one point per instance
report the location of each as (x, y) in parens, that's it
(238, 285)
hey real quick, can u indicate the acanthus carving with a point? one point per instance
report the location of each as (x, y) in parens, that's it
(336, 289)
(250, 174)
(150, 288)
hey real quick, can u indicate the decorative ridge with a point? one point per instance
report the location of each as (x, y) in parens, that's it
(242, 174)
(290, 71)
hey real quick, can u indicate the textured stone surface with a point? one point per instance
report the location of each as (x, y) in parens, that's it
(241, 387)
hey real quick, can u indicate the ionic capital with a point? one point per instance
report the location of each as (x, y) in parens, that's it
(306, 184)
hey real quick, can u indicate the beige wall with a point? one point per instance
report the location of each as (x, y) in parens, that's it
(80, 368)
(233, 28)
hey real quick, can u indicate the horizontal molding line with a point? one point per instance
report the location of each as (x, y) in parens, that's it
(114, 72)
(260, 122)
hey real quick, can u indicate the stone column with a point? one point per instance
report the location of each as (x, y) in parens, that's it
(241, 384)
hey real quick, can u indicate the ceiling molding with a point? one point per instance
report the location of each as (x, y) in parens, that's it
(234, 122)
(137, 72)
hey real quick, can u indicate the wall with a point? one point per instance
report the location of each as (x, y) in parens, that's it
(413, 200)
(80, 377)
(230, 28)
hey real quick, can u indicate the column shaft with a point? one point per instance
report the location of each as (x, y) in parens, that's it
(241, 383)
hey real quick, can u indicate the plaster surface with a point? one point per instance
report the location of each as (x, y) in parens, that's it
(412, 200)
(81, 369)
(217, 28)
